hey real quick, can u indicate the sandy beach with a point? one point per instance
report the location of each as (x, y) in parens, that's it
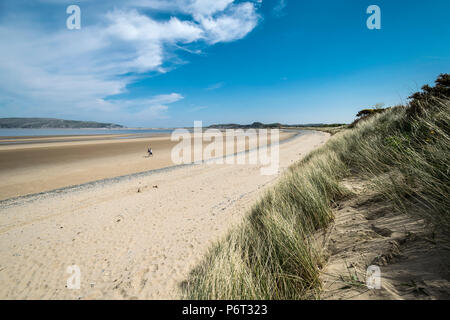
(32, 165)
(132, 237)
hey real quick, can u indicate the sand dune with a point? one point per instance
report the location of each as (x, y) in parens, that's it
(134, 237)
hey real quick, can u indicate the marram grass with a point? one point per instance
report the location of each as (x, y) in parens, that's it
(272, 255)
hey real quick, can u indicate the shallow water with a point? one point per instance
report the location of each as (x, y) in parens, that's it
(70, 132)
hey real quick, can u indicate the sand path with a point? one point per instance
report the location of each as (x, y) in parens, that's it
(128, 244)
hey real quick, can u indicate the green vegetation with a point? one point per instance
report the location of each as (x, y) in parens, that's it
(254, 125)
(40, 123)
(365, 114)
(403, 151)
(259, 125)
(332, 129)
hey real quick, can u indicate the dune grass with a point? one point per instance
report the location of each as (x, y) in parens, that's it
(272, 254)
(406, 158)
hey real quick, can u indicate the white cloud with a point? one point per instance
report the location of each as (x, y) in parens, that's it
(208, 7)
(147, 37)
(231, 25)
(133, 26)
(56, 71)
(154, 107)
(278, 10)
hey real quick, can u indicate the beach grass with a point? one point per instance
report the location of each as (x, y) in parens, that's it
(272, 254)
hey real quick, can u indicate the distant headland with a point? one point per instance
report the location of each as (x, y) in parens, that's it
(50, 123)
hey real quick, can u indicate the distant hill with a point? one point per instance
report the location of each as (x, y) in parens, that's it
(41, 123)
(259, 125)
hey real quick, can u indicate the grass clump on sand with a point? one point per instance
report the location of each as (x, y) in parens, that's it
(403, 151)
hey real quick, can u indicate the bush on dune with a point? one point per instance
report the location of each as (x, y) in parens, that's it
(441, 90)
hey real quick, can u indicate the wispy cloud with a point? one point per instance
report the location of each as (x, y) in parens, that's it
(46, 69)
(155, 107)
(215, 86)
(198, 108)
(279, 9)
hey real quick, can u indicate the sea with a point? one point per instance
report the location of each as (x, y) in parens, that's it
(77, 132)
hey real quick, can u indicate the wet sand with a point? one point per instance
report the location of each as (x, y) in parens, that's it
(33, 165)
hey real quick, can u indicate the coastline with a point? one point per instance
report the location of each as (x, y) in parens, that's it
(34, 168)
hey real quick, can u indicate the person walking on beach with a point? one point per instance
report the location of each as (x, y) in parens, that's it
(150, 152)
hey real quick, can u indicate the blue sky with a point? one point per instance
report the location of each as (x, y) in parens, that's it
(154, 63)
